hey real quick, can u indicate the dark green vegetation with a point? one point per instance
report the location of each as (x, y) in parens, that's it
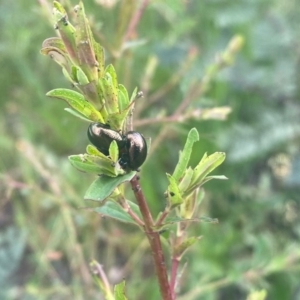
(47, 241)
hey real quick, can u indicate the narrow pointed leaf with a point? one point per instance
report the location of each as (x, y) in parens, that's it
(108, 167)
(54, 42)
(84, 43)
(185, 155)
(133, 95)
(206, 165)
(84, 165)
(96, 164)
(174, 195)
(77, 102)
(76, 114)
(113, 210)
(99, 55)
(186, 180)
(111, 101)
(92, 150)
(90, 93)
(187, 208)
(123, 99)
(119, 291)
(116, 120)
(113, 76)
(68, 75)
(103, 186)
(170, 220)
(55, 49)
(185, 245)
(81, 77)
(66, 30)
(114, 151)
(208, 178)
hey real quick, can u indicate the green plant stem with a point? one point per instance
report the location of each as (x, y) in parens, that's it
(154, 241)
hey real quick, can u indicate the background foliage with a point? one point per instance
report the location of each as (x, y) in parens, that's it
(47, 241)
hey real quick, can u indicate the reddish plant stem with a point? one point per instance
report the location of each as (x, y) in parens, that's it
(176, 258)
(128, 210)
(173, 275)
(154, 241)
(135, 19)
(97, 270)
(162, 216)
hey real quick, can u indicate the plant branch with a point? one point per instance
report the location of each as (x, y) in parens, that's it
(154, 241)
(162, 216)
(197, 89)
(171, 83)
(173, 275)
(135, 19)
(97, 271)
(128, 210)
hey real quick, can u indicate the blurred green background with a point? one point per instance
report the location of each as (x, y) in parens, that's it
(47, 240)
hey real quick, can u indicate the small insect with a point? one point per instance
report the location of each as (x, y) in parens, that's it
(132, 146)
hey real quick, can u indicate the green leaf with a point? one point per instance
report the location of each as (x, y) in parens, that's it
(209, 220)
(113, 210)
(184, 245)
(54, 43)
(99, 55)
(68, 75)
(82, 164)
(170, 220)
(108, 166)
(114, 151)
(208, 178)
(99, 164)
(133, 95)
(76, 114)
(205, 166)
(90, 92)
(66, 31)
(174, 195)
(187, 208)
(92, 150)
(82, 79)
(77, 102)
(116, 120)
(111, 101)
(185, 155)
(186, 180)
(123, 99)
(103, 186)
(55, 49)
(113, 77)
(85, 42)
(119, 291)
(257, 295)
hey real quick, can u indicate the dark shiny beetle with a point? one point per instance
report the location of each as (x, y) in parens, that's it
(100, 135)
(132, 146)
